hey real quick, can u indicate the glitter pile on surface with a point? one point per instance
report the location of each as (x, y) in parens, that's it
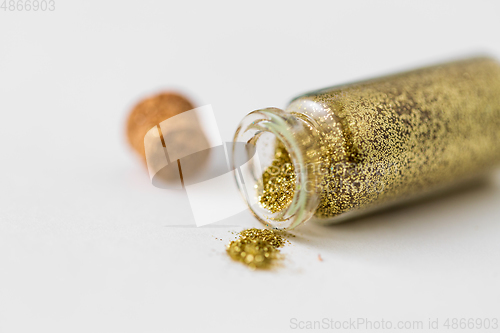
(257, 248)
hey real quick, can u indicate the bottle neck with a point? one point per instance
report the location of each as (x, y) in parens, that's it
(263, 131)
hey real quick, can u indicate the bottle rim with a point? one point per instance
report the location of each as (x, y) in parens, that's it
(267, 124)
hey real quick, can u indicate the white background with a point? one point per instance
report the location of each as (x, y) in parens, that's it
(84, 239)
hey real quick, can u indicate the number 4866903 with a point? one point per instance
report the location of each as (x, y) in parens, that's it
(28, 5)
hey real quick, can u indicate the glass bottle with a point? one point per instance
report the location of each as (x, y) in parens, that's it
(343, 151)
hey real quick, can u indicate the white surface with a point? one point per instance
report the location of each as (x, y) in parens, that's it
(84, 245)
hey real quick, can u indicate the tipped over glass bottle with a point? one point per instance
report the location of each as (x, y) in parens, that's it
(343, 151)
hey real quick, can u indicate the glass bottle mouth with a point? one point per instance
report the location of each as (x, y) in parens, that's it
(261, 131)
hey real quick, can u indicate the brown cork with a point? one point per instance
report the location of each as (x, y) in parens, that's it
(183, 143)
(150, 112)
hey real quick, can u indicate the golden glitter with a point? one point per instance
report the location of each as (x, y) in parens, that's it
(257, 248)
(408, 133)
(400, 136)
(279, 181)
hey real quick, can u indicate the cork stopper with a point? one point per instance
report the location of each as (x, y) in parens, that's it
(151, 112)
(185, 134)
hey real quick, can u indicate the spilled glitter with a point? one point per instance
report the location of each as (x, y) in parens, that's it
(258, 248)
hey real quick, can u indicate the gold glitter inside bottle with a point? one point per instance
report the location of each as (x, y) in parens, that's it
(347, 150)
